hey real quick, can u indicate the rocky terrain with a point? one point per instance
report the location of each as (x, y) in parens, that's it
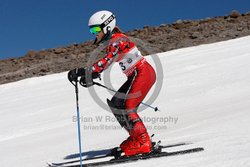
(182, 33)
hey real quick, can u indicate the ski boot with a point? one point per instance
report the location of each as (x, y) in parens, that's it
(139, 145)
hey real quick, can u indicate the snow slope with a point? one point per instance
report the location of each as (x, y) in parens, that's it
(205, 99)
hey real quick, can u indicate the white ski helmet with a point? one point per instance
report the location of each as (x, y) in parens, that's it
(103, 20)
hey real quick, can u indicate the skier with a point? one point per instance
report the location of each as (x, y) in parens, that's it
(140, 78)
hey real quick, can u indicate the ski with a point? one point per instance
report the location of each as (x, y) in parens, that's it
(107, 155)
(138, 157)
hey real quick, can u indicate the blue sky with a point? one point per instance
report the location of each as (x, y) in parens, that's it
(35, 25)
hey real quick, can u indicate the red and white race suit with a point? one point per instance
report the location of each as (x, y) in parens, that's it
(121, 49)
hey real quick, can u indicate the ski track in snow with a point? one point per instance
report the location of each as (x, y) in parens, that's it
(207, 88)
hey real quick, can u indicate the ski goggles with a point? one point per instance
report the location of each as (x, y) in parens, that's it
(95, 29)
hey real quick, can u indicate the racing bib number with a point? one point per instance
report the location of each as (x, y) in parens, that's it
(122, 66)
(131, 58)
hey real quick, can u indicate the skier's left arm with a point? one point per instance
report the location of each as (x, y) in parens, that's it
(113, 50)
(103, 63)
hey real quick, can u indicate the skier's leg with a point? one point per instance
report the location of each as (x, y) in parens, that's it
(117, 103)
(140, 87)
(119, 113)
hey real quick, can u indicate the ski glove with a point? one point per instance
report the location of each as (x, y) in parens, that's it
(75, 73)
(87, 81)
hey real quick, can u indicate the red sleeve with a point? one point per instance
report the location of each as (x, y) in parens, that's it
(103, 63)
(118, 47)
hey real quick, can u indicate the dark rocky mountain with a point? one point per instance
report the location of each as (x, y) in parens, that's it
(182, 33)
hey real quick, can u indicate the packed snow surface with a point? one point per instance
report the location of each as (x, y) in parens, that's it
(204, 100)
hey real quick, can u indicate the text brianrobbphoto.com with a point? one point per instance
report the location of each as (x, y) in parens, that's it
(104, 122)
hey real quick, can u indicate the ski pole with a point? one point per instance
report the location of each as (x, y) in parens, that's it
(145, 104)
(78, 121)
